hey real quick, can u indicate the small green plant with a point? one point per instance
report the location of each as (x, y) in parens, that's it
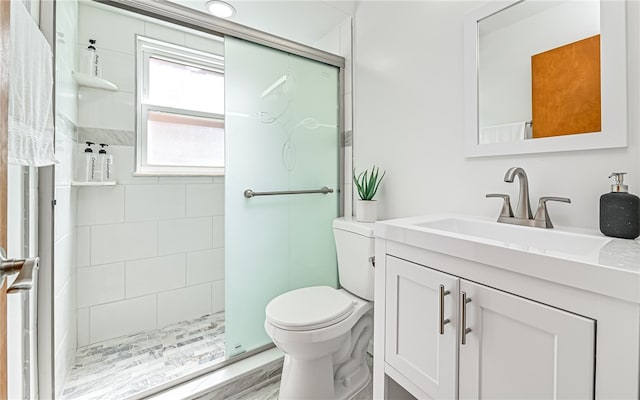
(367, 183)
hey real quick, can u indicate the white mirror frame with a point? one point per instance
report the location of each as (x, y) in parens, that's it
(613, 70)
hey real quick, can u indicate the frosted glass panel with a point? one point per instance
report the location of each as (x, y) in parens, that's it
(281, 134)
(175, 139)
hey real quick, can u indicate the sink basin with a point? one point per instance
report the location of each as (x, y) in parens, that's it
(519, 237)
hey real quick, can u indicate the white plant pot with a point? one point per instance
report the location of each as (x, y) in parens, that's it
(366, 211)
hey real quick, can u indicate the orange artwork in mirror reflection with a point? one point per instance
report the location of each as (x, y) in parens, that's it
(566, 89)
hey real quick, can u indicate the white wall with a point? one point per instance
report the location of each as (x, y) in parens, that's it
(151, 249)
(409, 112)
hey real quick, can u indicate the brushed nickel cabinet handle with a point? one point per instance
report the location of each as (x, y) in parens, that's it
(443, 321)
(463, 324)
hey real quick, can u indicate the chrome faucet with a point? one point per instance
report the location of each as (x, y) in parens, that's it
(523, 215)
(523, 208)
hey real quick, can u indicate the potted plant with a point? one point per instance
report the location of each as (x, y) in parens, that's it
(367, 184)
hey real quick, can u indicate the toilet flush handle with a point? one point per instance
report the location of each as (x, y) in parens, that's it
(372, 261)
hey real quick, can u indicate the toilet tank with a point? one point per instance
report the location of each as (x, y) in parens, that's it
(355, 251)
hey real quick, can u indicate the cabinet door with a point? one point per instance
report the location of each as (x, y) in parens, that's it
(414, 345)
(520, 349)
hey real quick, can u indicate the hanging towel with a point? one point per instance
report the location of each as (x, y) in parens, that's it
(503, 133)
(30, 92)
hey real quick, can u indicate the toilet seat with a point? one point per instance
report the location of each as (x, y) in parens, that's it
(309, 308)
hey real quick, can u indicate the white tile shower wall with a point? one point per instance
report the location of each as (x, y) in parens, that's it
(134, 315)
(135, 238)
(112, 110)
(168, 272)
(199, 266)
(98, 23)
(151, 246)
(182, 235)
(191, 301)
(409, 111)
(144, 202)
(217, 296)
(102, 205)
(100, 284)
(116, 110)
(123, 242)
(83, 327)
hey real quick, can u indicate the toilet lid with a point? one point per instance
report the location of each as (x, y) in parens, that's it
(309, 308)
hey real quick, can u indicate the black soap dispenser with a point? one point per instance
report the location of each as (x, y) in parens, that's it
(620, 210)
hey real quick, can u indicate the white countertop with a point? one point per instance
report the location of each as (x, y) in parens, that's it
(577, 258)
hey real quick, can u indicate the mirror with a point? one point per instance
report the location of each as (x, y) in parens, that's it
(521, 68)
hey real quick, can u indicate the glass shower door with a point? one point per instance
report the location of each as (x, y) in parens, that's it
(281, 133)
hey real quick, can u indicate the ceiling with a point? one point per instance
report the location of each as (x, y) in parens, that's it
(303, 21)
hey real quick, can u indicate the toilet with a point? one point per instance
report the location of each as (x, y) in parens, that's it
(324, 332)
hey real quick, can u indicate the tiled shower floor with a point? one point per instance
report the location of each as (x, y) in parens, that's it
(122, 367)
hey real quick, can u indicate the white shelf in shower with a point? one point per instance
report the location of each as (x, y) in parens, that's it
(94, 82)
(78, 183)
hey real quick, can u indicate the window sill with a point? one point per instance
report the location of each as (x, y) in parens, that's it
(178, 174)
(178, 171)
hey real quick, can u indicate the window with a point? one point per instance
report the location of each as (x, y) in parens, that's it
(180, 118)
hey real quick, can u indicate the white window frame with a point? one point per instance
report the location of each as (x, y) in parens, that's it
(147, 48)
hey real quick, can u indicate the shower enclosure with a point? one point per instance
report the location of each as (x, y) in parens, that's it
(282, 132)
(187, 263)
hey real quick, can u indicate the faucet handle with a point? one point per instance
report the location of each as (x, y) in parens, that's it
(542, 214)
(506, 211)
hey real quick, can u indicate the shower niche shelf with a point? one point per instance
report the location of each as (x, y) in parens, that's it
(80, 183)
(94, 82)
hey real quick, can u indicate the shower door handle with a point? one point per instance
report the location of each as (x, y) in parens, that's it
(24, 267)
(250, 193)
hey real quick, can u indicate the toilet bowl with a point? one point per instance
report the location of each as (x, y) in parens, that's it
(324, 332)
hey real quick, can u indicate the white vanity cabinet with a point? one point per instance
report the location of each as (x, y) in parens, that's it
(553, 314)
(421, 301)
(512, 347)
(520, 349)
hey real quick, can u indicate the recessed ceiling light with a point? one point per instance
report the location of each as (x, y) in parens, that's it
(221, 8)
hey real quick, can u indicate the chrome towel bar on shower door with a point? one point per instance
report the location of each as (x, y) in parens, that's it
(250, 193)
